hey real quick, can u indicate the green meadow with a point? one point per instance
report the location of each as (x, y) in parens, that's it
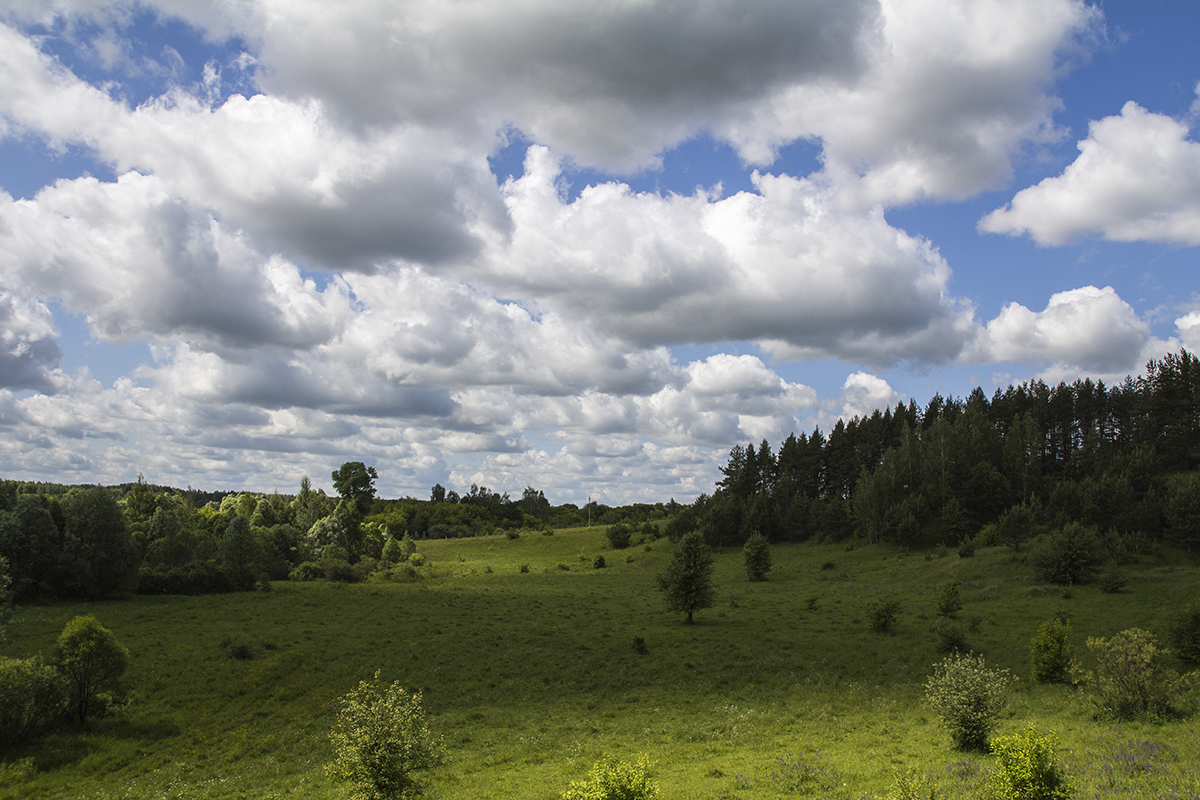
(525, 654)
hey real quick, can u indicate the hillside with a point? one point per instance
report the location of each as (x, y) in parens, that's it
(532, 676)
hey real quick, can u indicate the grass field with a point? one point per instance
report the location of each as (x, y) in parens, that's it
(780, 690)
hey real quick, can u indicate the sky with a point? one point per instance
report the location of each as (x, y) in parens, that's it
(585, 247)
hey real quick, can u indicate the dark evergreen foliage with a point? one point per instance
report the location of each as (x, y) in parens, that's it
(1116, 458)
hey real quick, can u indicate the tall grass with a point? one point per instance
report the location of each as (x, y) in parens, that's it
(533, 676)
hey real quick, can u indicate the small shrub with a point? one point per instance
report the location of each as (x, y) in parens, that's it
(950, 600)
(797, 773)
(1027, 768)
(306, 571)
(619, 535)
(1185, 633)
(756, 557)
(911, 785)
(615, 780)
(828, 565)
(524, 568)
(512, 535)
(598, 562)
(639, 646)
(33, 698)
(1112, 581)
(882, 614)
(237, 649)
(1132, 680)
(380, 740)
(811, 603)
(968, 696)
(966, 549)
(1068, 556)
(1049, 656)
(407, 548)
(417, 560)
(952, 637)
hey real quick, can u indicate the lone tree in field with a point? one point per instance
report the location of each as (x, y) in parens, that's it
(687, 581)
(91, 659)
(381, 739)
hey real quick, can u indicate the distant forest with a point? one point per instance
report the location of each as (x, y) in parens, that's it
(1117, 462)
(1121, 460)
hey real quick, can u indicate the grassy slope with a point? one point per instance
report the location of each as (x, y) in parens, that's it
(532, 677)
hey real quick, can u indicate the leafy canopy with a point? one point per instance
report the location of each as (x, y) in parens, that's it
(380, 739)
(92, 660)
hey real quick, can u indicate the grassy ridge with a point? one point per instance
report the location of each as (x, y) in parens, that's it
(780, 688)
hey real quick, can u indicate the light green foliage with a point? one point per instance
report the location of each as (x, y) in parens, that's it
(390, 554)
(407, 547)
(1185, 633)
(1049, 656)
(380, 740)
(1027, 768)
(968, 696)
(33, 697)
(615, 780)
(686, 583)
(950, 600)
(1132, 679)
(91, 659)
(911, 785)
(756, 557)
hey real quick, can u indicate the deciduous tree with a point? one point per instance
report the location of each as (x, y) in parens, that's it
(91, 659)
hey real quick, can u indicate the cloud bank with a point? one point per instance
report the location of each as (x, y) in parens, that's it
(325, 267)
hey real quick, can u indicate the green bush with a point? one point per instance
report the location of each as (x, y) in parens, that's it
(619, 535)
(1132, 680)
(1112, 581)
(968, 696)
(33, 697)
(1185, 633)
(380, 739)
(910, 785)
(1027, 769)
(882, 614)
(966, 549)
(756, 557)
(952, 636)
(1067, 556)
(598, 562)
(615, 780)
(92, 660)
(950, 600)
(1049, 657)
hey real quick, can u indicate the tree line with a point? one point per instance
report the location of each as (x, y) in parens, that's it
(1121, 459)
(89, 542)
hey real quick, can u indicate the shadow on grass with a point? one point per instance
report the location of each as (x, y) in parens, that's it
(73, 742)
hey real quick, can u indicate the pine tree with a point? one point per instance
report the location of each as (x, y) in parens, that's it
(687, 581)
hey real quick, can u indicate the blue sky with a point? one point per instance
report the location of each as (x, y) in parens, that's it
(585, 249)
